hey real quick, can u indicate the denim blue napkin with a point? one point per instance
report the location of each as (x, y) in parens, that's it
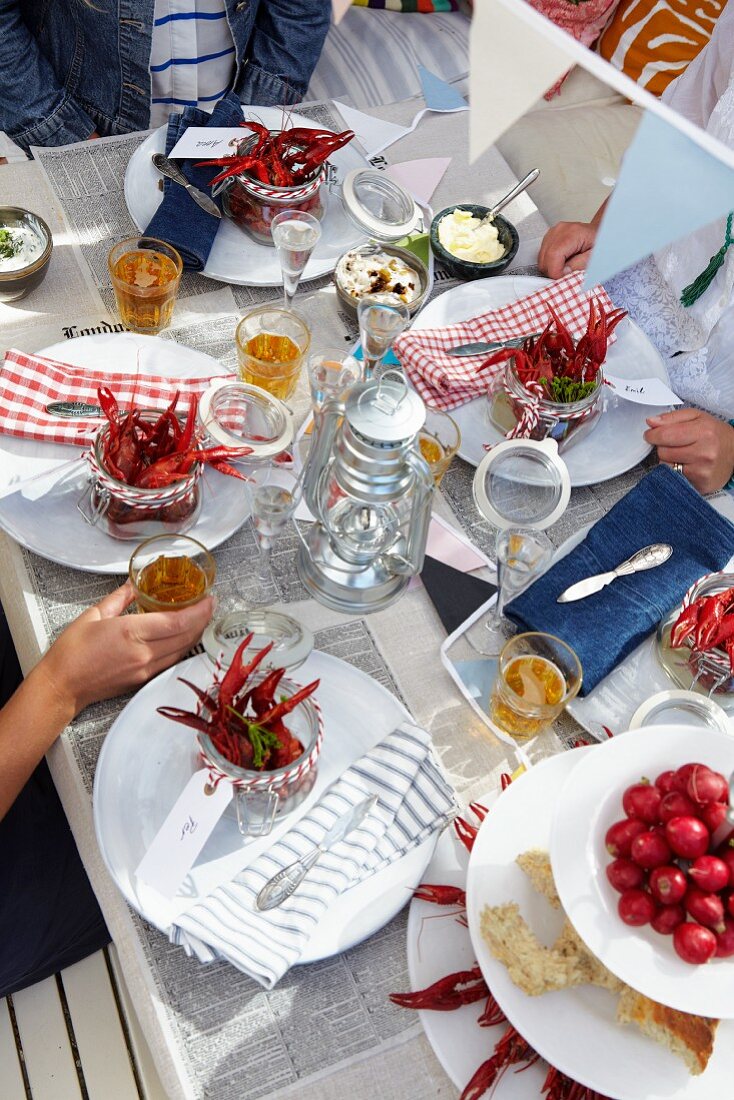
(605, 627)
(178, 220)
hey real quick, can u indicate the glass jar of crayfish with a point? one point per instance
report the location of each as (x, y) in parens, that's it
(252, 205)
(513, 401)
(262, 798)
(129, 512)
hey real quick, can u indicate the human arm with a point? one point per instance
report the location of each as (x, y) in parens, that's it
(701, 443)
(284, 46)
(35, 109)
(567, 246)
(101, 654)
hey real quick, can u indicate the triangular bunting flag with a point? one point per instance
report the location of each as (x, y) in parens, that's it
(454, 594)
(511, 65)
(667, 188)
(439, 95)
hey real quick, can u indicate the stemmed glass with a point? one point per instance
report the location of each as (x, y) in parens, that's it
(522, 554)
(330, 373)
(295, 235)
(274, 496)
(382, 317)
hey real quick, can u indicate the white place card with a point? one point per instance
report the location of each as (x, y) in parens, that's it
(184, 833)
(205, 142)
(643, 391)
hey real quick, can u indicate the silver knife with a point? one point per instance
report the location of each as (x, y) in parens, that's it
(648, 558)
(167, 168)
(491, 345)
(280, 887)
(71, 410)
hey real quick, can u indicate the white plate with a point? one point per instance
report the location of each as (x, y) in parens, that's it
(573, 1029)
(593, 795)
(146, 761)
(438, 945)
(235, 257)
(615, 445)
(44, 517)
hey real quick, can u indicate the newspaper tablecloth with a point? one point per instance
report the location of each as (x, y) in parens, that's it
(327, 1030)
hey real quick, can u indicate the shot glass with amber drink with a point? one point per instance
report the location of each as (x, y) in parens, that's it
(145, 276)
(271, 347)
(169, 572)
(438, 440)
(537, 675)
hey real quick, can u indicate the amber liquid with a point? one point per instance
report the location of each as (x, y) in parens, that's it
(531, 684)
(271, 362)
(170, 582)
(145, 283)
(434, 454)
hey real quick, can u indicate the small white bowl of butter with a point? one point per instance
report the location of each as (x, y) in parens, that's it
(470, 247)
(25, 251)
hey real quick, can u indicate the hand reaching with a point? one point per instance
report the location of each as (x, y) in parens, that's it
(566, 247)
(701, 443)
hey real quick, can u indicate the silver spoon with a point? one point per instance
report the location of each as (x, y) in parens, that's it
(516, 190)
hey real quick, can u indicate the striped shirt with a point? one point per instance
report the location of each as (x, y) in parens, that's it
(192, 57)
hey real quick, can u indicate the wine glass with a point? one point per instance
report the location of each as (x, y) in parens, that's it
(295, 235)
(330, 373)
(522, 553)
(382, 317)
(274, 496)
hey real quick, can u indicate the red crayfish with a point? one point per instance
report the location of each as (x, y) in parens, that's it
(564, 368)
(242, 719)
(282, 158)
(707, 623)
(151, 453)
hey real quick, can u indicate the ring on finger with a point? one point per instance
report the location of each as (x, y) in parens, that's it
(678, 467)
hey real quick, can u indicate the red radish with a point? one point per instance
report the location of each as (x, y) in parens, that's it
(650, 850)
(705, 785)
(687, 836)
(635, 907)
(664, 782)
(729, 902)
(694, 943)
(709, 873)
(682, 775)
(621, 834)
(623, 874)
(726, 854)
(642, 800)
(707, 909)
(725, 940)
(713, 814)
(668, 884)
(676, 804)
(667, 919)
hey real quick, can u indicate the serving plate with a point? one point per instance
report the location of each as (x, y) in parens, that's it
(44, 516)
(146, 761)
(593, 794)
(615, 444)
(235, 257)
(573, 1029)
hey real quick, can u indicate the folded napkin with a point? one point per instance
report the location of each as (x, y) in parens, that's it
(605, 627)
(414, 800)
(446, 381)
(29, 382)
(179, 220)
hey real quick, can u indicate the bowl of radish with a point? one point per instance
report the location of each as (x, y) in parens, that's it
(643, 866)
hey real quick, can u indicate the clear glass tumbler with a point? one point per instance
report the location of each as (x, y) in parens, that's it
(439, 439)
(271, 346)
(169, 572)
(145, 276)
(537, 675)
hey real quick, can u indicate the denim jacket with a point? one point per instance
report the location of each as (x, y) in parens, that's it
(68, 68)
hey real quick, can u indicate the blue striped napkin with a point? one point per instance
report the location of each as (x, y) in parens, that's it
(414, 800)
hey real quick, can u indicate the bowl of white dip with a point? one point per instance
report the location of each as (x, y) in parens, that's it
(379, 268)
(25, 251)
(469, 247)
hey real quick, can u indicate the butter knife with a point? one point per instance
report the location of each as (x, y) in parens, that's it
(73, 410)
(648, 558)
(280, 887)
(169, 169)
(491, 345)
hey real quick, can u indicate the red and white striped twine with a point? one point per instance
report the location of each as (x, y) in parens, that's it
(136, 494)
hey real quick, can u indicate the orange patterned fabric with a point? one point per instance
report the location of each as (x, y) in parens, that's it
(653, 41)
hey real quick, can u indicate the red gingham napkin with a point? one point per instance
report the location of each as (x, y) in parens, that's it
(447, 382)
(28, 383)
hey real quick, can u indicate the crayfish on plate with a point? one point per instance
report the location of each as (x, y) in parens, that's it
(241, 717)
(707, 623)
(564, 370)
(151, 452)
(280, 158)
